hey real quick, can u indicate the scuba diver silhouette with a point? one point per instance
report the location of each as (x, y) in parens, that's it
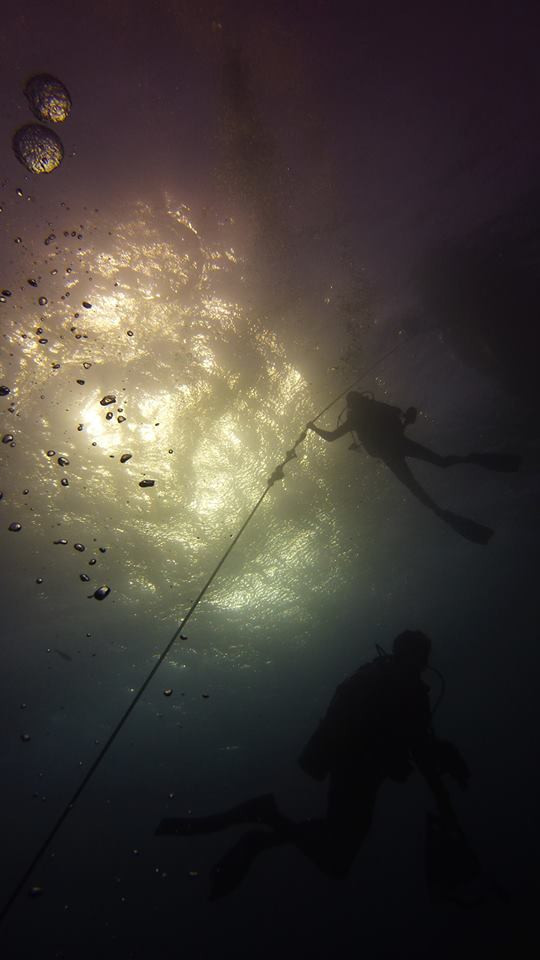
(380, 428)
(377, 725)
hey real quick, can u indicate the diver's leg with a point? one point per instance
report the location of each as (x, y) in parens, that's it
(351, 800)
(469, 529)
(262, 809)
(400, 469)
(410, 448)
(331, 843)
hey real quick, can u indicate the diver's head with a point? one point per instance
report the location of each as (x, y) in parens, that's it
(412, 650)
(355, 399)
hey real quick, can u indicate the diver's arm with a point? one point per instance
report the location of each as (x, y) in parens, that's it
(331, 434)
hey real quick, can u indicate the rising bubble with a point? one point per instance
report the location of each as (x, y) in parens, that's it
(15, 527)
(49, 99)
(107, 399)
(40, 150)
(102, 592)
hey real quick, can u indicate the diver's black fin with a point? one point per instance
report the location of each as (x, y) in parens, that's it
(178, 827)
(260, 809)
(504, 462)
(475, 532)
(233, 867)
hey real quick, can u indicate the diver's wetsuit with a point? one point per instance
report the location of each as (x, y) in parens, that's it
(378, 720)
(380, 429)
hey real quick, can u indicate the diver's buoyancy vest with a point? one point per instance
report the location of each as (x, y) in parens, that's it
(377, 425)
(372, 714)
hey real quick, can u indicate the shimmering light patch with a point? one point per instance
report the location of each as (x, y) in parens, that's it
(204, 376)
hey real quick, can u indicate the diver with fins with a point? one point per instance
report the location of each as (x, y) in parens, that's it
(378, 726)
(380, 429)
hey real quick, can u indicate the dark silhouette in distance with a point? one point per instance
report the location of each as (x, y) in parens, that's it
(380, 428)
(378, 726)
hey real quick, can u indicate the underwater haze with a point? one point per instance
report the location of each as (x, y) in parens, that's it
(254, 207)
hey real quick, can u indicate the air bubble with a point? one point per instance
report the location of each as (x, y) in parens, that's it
(102, 592)
(40, 150)
(48, 98)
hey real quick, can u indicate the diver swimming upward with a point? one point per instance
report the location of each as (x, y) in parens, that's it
(378, 726)
(380, 429)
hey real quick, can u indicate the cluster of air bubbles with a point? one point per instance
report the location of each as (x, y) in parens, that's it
(39, 149)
